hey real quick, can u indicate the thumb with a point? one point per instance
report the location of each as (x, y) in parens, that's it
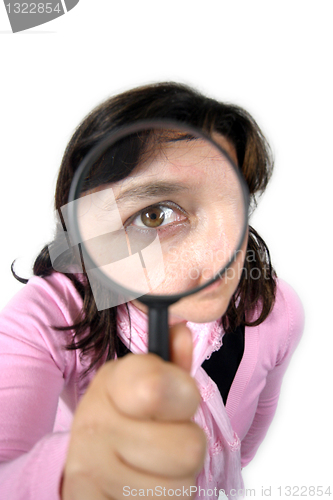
(181, 346)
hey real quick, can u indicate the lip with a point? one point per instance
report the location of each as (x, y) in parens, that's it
(212, 287)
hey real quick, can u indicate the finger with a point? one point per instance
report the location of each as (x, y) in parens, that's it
(161, 448)
(181, 346)
(129, 482)
(100, 472)
(144, 386)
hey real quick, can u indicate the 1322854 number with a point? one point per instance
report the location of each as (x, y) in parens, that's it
(33, 8)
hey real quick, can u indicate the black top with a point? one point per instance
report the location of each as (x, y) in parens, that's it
(222, 365)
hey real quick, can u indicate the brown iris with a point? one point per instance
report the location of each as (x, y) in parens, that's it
(153, 217)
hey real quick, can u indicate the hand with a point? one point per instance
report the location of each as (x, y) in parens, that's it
(132, 429)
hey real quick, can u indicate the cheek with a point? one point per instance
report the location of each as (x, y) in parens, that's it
(206, 306)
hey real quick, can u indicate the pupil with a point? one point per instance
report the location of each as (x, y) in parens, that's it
(153, 216)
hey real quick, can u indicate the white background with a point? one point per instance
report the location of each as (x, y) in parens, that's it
(274, 59)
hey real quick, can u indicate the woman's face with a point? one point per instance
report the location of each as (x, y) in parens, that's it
(182, 211)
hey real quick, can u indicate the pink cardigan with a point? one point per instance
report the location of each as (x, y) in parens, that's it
(40, 382)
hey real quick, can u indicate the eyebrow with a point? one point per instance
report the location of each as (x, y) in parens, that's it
(151, 190)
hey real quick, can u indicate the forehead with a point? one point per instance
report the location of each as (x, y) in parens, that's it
(193, 162)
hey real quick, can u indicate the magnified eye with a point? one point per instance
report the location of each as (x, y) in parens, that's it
(157, 216)
(153, 217)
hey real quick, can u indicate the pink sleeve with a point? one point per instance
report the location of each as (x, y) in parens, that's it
(34, 368)
(290, 311)
(36, 475)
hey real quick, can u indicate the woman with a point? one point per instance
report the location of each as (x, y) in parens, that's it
(85, 419)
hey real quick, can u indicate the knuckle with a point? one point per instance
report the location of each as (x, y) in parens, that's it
(151, 389)
(147, 379)
(136, 384)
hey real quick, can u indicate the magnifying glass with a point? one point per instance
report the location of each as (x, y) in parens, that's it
(159, 212)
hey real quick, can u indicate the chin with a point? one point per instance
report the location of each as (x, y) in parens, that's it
(197, 312)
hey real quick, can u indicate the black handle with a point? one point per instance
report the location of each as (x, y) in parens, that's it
(159, 330)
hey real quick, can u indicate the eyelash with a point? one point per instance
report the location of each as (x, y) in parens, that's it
(165, 205)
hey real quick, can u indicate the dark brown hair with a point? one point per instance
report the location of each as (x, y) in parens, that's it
(95, 331)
